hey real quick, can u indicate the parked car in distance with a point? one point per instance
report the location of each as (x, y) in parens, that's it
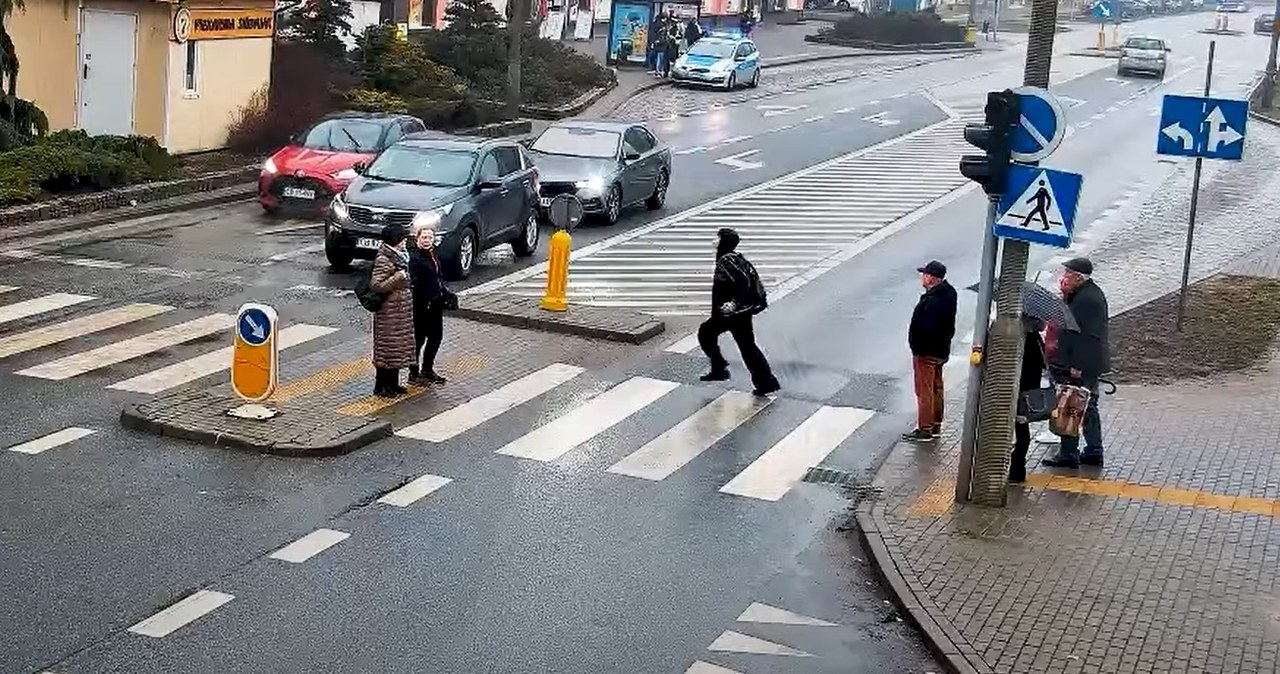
(1265, 24)
(607, 165)
(1141, 54)
(318, 161)
(478, 192)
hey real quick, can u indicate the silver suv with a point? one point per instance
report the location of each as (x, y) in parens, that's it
(1143, 55)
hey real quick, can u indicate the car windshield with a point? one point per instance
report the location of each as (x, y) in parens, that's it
(423, 166)
(1144, 43)
(717, 48)
(577, 142)
(344, 135)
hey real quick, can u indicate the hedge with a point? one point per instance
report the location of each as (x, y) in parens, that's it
(73, 161)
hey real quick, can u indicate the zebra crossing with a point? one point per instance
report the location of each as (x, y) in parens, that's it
(705, 425)
(789, 227)
(30, 326)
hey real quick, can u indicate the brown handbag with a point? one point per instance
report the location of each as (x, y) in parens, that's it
(1068, 415)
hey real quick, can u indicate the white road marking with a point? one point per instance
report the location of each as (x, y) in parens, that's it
(118, 352)
(77, 327)
(764, 613)
(309, 546)
(192, 369)
(881, 119)
(692, 150)
(789, 56)
(7, 289)
(93, 263)
(777, 110)
(485, 407)
(735, 139)
(296, 252)
(667, 453)
(597, 415)
(413, 491)
(40, 305)
(52, 440)
(289, 228)
(814, 118)
(186, 611)
(737, 642)
(700, 667)
(771, 476)
(739, 161)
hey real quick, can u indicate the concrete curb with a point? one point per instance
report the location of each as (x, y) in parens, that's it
(133, 418)
(612, 325)
(946, 643)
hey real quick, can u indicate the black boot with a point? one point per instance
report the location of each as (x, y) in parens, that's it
(380, 383)
(393, 383)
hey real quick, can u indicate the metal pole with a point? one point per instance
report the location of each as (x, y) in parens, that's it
(1195, 199)
(981, 319)
(1269, 82)
(1003, 353)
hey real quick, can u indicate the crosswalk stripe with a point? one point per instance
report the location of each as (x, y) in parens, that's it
(667, 453)
(772, 475)
(77, 327)
(188, 610)
(309, 546)
(212, 363)
(701, 667)
(416, 489)
(40, 305)
(118, 352)
(52, 440)
(7, 289)
(480, 409)
(597, 415)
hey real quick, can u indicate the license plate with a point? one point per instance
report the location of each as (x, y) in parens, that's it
(299, 193)
(545, 201)
(371, 244)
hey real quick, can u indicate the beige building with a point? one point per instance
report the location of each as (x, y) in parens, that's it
(177, 72)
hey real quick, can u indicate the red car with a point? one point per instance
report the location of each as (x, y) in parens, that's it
(319, 162)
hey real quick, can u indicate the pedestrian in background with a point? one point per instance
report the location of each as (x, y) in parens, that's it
(1081, 357)
(393, 322)
(692, 32)
(737, 295)
(933, 325)
(670, 47)
(1033, 367)
(429, 298)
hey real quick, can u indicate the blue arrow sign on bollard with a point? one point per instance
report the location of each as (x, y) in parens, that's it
(1041, 128)
(254, 326)
(1102, 9)
(1199, 126)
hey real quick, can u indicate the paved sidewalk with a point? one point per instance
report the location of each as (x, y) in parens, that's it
(1163, 561)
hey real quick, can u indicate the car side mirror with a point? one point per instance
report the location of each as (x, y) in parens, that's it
(360, 167)
(1168, 50)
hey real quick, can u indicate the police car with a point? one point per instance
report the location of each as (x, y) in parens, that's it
(724, 60)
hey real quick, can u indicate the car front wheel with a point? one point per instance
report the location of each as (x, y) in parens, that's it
(731, 83)
(464, 255)
(526, 243)
(659, 196)
(613, 205)
(339, 258)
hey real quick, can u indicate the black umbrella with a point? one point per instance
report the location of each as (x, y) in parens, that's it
(1042, 304)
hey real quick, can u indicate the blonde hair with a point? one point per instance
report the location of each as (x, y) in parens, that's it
(420, 227)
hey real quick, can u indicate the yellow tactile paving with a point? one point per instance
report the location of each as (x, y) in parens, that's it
(936, 499)
(320, 381)
(458, 368)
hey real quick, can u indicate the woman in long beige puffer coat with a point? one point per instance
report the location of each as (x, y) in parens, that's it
(393, 323)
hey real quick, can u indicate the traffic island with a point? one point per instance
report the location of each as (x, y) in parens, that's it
(615, 325)
(301, 427)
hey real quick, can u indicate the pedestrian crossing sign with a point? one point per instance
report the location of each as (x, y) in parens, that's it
(1039, 206)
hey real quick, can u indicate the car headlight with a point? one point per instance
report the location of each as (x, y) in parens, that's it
(339, 209)
(345, 174)
(594, 185)
(269, 166)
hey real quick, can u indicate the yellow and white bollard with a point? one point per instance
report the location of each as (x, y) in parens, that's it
(1115, 37)
(1102, 37)
(555, 298)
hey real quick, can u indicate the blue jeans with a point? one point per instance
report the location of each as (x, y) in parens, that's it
(1091, 430)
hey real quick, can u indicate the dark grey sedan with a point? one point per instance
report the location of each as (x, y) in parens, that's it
(608, 165)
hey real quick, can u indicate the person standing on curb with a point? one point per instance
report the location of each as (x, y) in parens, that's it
(1081, 357)
(1030, 378)
(736, 296)
(933, 325)
(393, 322)
(429, 299)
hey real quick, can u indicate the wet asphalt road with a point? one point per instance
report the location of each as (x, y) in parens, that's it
(555, 568)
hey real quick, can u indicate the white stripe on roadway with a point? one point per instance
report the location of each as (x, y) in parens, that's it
(52, 440)
(772, 475)
(77, 327)
(667, 453)
(597, 415)
(212, 363)
(483, 408)
(40, 305)
(310, 545)
(184, 612)
(118, 352)
(411, 492)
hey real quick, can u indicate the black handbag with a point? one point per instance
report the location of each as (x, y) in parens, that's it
(369, 298)
(1037, 404)
(449, 300)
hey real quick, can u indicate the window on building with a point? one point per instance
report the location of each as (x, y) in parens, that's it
(191, 69)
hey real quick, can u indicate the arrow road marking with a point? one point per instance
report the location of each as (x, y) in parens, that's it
(1117, 80)
(1075, 102)
(776, 110)
(738, 163)
(880, 118)
(691, 150)
(1220, 133)
(1176, 132)
(1035, 133)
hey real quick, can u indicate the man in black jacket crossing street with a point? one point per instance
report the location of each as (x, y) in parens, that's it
(933, 325)
(736, 296)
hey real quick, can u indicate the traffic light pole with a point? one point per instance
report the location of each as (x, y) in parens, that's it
(1003, 353)
(981, 320)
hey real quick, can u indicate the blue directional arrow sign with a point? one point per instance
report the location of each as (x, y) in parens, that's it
(1039, 206)
(254, 326)
(1196, 126)
(1102, 9)
(1041, 128)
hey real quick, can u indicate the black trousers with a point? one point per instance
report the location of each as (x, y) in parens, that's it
(428, 332)
(744, 335)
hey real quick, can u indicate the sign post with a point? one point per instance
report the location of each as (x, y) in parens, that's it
(1204, 128)
(255, 359)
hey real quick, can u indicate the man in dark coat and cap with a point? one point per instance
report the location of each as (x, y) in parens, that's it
(933, 325)
(1081, 357)
(736, 296)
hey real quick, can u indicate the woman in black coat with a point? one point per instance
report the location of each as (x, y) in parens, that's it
(429, 297)
(1029, 379)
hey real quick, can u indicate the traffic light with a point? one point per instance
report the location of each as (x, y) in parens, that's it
(993, 136)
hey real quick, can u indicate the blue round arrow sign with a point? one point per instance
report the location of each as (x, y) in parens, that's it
(1041, 126)
(254, 326)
